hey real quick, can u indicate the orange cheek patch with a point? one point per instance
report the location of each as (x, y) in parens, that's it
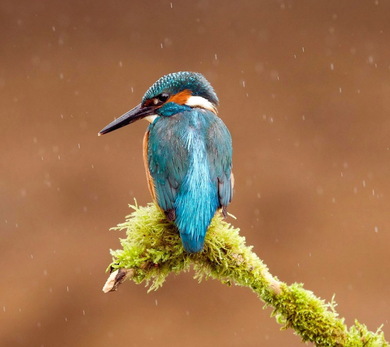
(180, 98)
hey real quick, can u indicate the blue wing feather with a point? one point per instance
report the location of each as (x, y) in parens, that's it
(220, 160)
(189, 159)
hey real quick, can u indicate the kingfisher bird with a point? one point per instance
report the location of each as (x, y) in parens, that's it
(187, 153)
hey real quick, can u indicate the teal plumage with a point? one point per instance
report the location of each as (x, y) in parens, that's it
(188, 153)
(179, 81)
(189, 160)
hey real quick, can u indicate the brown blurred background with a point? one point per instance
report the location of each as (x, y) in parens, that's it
(304, 88)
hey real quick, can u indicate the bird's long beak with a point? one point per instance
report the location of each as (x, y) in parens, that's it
(129, 117)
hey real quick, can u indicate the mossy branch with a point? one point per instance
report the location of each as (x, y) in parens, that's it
(152, 250)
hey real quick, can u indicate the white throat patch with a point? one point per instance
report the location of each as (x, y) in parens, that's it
(151, 118)
(198, 101)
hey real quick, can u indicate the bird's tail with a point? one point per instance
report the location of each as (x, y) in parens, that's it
(196, 202)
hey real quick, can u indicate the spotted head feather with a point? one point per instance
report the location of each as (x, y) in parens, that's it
(177, 82)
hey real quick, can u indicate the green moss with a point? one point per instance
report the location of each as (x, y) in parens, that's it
(153, 250)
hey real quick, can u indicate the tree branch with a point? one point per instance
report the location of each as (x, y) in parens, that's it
(152, 250)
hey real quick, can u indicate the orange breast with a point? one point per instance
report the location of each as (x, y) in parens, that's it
(149, 178)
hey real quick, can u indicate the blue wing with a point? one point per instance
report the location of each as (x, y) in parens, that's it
(167, 162)
(220, 160)
(189, 160)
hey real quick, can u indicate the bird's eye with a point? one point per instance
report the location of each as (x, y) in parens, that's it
(163, 97)
(157, 100)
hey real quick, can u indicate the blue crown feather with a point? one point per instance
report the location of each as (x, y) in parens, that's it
(178, 81)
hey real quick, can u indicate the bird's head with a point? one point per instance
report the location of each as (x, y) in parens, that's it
(171, 94)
